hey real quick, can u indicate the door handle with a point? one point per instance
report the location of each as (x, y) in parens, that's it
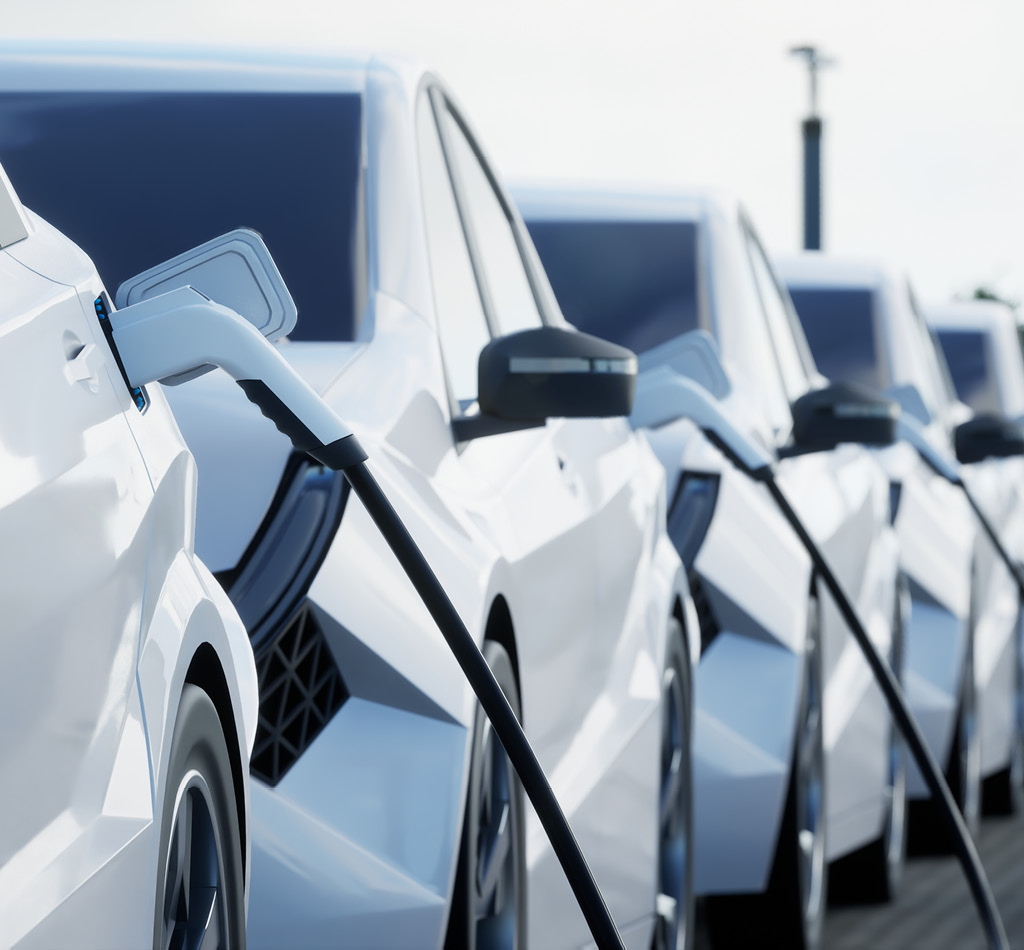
(84, 367)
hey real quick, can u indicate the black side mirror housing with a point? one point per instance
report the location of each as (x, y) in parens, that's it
(824, 418)
(988, 436)
(549, 372)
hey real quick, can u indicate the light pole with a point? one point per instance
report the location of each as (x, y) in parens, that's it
(812, 150)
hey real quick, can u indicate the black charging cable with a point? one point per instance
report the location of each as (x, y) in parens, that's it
(1004, 555)
(966, 852)
(493, 701)
(963, 844)
(146, 337)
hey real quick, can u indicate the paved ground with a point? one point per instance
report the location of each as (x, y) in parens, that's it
(935, 910)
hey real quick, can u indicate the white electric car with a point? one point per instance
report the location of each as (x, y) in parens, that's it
(380, 796)
(863, 325)
(981, 345)
(128, 691)
(650, 268)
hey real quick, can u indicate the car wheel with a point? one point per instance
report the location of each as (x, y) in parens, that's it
(489, 898)
(200, 900)
(965, 756)
(674, 903)
(790, 912)
(872, 874)
(1003, 793)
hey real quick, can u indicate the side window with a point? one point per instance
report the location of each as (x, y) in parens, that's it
(932, 379)
(462, 325)
(780, 323)
(12, 227)
(973, 368)
(511, 300)
(756, 349)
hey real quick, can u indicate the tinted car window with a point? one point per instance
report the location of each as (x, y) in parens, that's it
(780, 322)
(462, 326)
(154, 174)
(966, 353)
(511, 296)
(12, 228)
(631, 282)
(840, 328)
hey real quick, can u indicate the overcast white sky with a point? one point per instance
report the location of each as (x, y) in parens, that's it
(924, 135)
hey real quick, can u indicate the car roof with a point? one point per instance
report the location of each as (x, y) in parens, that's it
(815, 269)
(970, 314)
(93, 66)
(540, 201)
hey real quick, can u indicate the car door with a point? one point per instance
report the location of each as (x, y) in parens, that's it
(562, 500)
(843, 495)
(73, 501)
(516, 483)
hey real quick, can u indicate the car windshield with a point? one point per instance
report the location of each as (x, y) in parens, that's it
(839, 324)
(138, 178)
(631, 282)
(966, 353)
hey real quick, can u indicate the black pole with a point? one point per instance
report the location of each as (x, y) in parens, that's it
(812, 183)
(812, 127)
(493, 701)
(966, 852)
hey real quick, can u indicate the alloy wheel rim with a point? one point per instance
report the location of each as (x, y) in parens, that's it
(970, 753)
(1017, 750)
(194, 909)
(494, 888)
(896, 823)
(810, 795)
(672, 826)
(897, 791)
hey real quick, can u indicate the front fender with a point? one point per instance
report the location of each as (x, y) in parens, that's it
(191, 610)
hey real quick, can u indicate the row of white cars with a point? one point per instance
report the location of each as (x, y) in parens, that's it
(941, 603)
(703, 715)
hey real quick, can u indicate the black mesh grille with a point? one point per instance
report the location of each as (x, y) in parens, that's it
(709, 628)
(300, 690)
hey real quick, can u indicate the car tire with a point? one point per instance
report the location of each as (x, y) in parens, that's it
(674, 919)
(488, 910)
(200, 896)
(965, 757)
(872, 874)
(1003, 792)
(790, 912)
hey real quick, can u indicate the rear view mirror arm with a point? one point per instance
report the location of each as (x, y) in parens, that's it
(467, 428)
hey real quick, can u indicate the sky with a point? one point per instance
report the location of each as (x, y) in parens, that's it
(924, 119)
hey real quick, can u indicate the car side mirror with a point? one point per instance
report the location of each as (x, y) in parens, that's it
(527, 377)
(824, 418)
(236, 270)
(988, 436)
